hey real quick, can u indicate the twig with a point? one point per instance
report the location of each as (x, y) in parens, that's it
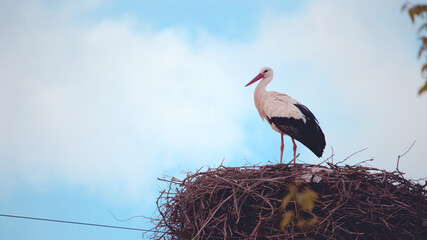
(399, 156)
(213, 214)
(127, 219)
(330, 157)
(368, 160)
(295, 158)
(351, 156)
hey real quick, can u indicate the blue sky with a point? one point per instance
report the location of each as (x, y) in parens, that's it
(100, 98)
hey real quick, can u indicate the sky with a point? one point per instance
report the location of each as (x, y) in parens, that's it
(100, 98)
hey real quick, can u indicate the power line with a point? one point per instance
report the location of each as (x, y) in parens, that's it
(77, 223)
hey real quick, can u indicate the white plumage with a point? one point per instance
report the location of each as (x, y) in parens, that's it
(287, 116)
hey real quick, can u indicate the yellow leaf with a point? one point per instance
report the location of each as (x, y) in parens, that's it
(306, 199)
(307, 224)
(286, 200)
(286, 219)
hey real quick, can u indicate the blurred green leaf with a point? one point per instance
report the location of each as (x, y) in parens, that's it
(411, 14)
(421, 51)
(404, 6)
(424, 68)
(423, 89)
(416, 10)
(424, 26)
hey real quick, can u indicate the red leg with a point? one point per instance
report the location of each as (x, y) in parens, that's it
(295, 149)
(281, 149)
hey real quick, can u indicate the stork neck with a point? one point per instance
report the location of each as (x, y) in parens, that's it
(260, 94)
(260, 89)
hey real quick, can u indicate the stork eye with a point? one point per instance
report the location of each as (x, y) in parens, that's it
(265, 71)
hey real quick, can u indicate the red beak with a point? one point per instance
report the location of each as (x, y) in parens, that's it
(258, 77)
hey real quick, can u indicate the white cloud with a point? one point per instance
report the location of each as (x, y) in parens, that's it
(108, 105)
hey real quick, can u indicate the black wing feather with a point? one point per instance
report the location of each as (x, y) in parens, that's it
(309, 133)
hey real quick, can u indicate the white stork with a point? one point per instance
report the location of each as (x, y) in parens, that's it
(287, 116)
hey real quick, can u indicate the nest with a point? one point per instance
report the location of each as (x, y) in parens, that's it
(292, 202)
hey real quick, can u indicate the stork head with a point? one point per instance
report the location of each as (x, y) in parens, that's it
(265, 72)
